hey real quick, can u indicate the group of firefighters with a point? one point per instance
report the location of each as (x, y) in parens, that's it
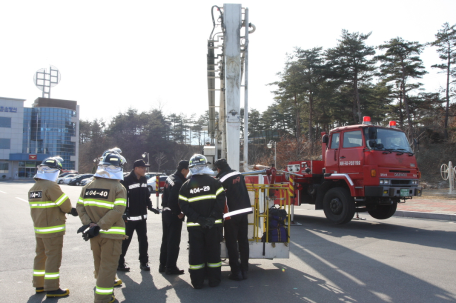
(112, 207)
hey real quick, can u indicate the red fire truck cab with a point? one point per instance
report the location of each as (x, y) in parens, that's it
(363, 168)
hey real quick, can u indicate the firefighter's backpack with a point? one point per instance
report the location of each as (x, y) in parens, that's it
(277, 232)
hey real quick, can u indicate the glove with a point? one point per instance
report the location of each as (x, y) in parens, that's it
(73, 212)
(154, 210)
(125, 217)
(89, 232)
(83, 228)
(202, 221)
(210, 222)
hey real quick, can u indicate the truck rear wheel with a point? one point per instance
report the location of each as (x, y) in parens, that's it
(339, 205)
(383, 211)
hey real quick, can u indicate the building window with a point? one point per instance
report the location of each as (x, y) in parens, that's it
(5, 143)
(4, 168)
(5, 122)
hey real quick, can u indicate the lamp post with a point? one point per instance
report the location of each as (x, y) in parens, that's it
(144, 156)
(94, 169)
(275, 150)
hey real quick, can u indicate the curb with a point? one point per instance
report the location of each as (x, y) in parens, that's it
(423, 215)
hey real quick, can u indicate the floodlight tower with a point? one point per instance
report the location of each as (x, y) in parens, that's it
(45, 79)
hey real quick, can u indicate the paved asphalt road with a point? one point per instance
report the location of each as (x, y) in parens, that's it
(396, 260)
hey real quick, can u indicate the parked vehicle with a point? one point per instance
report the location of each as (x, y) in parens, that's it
(152, 181)
(77, 180)
(86, 181)
(65, 179)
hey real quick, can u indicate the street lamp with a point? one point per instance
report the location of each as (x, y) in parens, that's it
(275, 150)
(94, 169)
(144, 156)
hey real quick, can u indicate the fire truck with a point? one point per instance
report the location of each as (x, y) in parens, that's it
(364, 168)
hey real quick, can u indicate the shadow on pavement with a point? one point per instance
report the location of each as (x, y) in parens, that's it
(378, 230)
(141, 292)
(355, 277)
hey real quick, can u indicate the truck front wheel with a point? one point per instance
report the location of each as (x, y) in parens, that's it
(339, 205)
(382, 211)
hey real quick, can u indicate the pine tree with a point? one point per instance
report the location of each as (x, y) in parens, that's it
(352, 64)
(401, 63)
(446, 47)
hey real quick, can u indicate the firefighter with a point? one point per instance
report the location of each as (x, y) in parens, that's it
(102, 203)
(236, 228)
(48, 208)
(138, 202)
(172, 218)
(202, 199)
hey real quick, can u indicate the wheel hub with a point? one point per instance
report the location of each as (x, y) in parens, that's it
(336, 206)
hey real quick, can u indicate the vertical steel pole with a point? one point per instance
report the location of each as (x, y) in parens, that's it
(451, 176)
(157, 188)
(246, 92)
(232, 54)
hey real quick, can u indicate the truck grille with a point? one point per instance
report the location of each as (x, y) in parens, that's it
(401, 182)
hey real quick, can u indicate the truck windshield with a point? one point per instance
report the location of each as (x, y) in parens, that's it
(386, 139)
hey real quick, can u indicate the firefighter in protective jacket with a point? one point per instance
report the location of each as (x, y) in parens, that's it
(48, 208)
(202, 199)
(236, 228)
(102, 203)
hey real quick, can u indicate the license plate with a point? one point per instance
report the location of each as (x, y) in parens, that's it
(405, 192)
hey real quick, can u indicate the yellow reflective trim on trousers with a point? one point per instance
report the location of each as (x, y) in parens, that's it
(61, 199)
(214, 264)
(206, 197)
(51, 275)
(38, 273)
(103, 290)
(218, 221)
(221, 189)
(183, 198)
(50, 229)
(113, 231)
(199, 266)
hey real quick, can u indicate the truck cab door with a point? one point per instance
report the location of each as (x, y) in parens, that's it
(351, 154)
(332, 154)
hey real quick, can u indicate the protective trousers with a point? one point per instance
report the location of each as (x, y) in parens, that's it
(169, 251)
(47, 263)
(141, 230)
(236, 230)
(106, 254)
(205, 251)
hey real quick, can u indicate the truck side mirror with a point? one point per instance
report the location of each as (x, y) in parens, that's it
(325, 139)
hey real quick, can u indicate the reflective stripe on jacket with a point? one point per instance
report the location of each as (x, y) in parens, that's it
(202, 196)
(48, 206)
(103, 201)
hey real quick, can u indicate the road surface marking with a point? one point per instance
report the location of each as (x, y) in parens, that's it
(22, 200)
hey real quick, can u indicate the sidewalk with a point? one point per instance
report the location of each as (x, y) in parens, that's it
(433, 204)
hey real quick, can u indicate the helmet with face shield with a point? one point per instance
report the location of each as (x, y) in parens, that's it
(49, 169)
(198, 166)
(111, 165)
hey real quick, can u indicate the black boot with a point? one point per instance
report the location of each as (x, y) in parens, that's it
(123, 267)
(144, 266)
(174, 271)
(39, 290)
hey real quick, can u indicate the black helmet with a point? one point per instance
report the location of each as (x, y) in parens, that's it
(221, 164)
(53, 162)
(197, 159)
(112, 158)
